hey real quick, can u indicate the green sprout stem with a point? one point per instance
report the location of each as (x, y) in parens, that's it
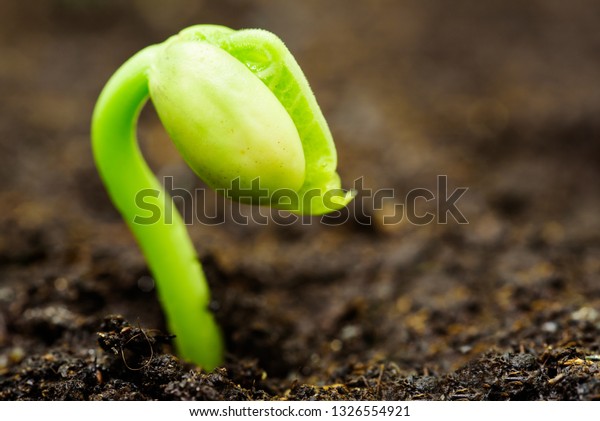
(172, 258)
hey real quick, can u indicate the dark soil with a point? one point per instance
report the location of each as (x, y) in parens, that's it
(500, 96)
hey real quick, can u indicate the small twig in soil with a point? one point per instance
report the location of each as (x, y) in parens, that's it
(147, 363)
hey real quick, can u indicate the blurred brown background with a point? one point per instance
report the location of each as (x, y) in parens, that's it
(501, 96)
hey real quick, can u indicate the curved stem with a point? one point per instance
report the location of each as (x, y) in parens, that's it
(181, 284)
